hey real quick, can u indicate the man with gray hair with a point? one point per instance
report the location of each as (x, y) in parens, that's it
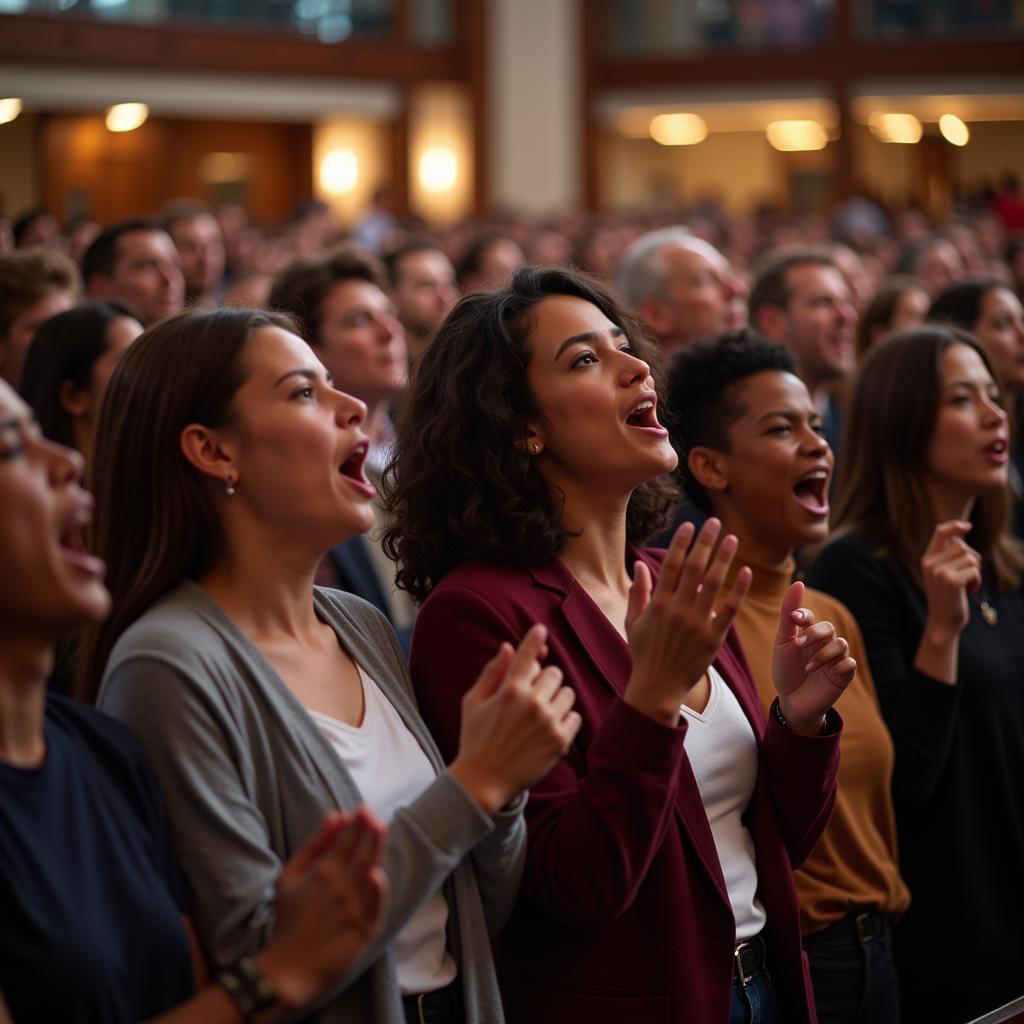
(681, 287)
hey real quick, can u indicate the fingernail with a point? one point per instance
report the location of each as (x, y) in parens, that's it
(801, 640)
(810, 666)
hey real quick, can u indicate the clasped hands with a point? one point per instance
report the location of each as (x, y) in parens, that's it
(676, 627)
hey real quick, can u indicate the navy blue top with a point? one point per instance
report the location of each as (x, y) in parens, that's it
(91, 899)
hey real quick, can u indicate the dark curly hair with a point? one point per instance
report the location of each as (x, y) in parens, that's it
(460, 484)
(703, 398)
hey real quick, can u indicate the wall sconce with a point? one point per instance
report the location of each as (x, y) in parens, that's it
(339, 171)
(126, 117)
(954, 130)
(439, 169)
(796, 136)
(10, 108)
(678, 129)
(902, 128)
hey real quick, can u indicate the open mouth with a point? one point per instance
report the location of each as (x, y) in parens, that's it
(811, 492)
(352, 469)
(998, 450)
(71, 541)
(643, 415)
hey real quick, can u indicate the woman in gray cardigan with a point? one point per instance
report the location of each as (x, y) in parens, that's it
(226, 464)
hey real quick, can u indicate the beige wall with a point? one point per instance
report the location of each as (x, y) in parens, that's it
(370, 142)
(994, 148)
(893, 171)
(440, 119)
(535, 78)
(17, 166)
(887, 170)
(740, 168)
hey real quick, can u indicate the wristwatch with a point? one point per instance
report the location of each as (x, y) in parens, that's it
(248, 986)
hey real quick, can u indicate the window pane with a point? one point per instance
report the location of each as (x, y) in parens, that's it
(634, 28)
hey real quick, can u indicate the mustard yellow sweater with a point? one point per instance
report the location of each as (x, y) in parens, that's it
(854, 865)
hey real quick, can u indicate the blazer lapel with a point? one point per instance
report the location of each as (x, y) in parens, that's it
(610, 656)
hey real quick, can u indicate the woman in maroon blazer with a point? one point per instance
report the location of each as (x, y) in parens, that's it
(658, 886)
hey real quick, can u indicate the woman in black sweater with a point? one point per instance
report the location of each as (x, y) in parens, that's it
(923, 559)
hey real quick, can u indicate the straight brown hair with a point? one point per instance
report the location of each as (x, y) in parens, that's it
(156, 523)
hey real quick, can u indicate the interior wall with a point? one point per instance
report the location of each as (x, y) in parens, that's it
(896, 173)
(994, 148)
(440, 118)
(371, 143)
(535, 76)
(88, 170)
(18, 165)
(738, 168)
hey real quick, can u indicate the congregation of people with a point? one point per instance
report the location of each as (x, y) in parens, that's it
(609, 618)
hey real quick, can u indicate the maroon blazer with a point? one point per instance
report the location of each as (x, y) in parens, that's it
(624, 915)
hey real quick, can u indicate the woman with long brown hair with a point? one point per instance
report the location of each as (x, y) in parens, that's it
(93, 908)
(922, 557)
(226, 464)
(530, 467)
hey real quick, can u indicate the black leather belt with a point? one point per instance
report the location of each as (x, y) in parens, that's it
(750, 957)
(444, 1006)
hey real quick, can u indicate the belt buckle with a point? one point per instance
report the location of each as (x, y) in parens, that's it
(744, 978)
(867, 928)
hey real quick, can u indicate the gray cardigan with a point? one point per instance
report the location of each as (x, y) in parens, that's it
(248, 776)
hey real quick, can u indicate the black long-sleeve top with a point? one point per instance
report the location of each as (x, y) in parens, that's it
(958, 783)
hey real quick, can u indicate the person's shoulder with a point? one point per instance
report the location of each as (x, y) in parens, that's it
(848, 548)
(344, 604)
(175, 624)
(488, 580)
(516, 595)
(84, 727)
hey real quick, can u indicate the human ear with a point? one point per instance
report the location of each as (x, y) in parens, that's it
(210, 453)
(655, 314)
(532, 441)
(770, 321)
(73, 400)
(709, 467)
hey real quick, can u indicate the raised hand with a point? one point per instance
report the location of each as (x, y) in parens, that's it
(517, 721)
(674, 630)
(810, 665)
(949, 568)
(330, 899)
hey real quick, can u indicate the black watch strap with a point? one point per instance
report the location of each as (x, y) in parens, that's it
(248, 986)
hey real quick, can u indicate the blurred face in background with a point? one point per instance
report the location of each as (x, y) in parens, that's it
(817, 324)
(201, 250)
(1000, 328)
(911, 310)
(939, 266)
(424, 293)
(361, 342)
(701, 295)
(15, 343)
(146, 276)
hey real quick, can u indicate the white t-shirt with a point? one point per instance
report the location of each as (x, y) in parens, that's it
(391, 770)
(722, 750)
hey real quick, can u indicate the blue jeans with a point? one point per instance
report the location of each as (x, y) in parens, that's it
(853, 973)
(755, 1004)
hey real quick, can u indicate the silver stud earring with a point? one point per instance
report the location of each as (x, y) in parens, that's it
(229, 487)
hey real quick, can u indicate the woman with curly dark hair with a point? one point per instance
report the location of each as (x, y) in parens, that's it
(530, 466)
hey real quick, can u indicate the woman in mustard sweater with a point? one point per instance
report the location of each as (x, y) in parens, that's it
(756, 459)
